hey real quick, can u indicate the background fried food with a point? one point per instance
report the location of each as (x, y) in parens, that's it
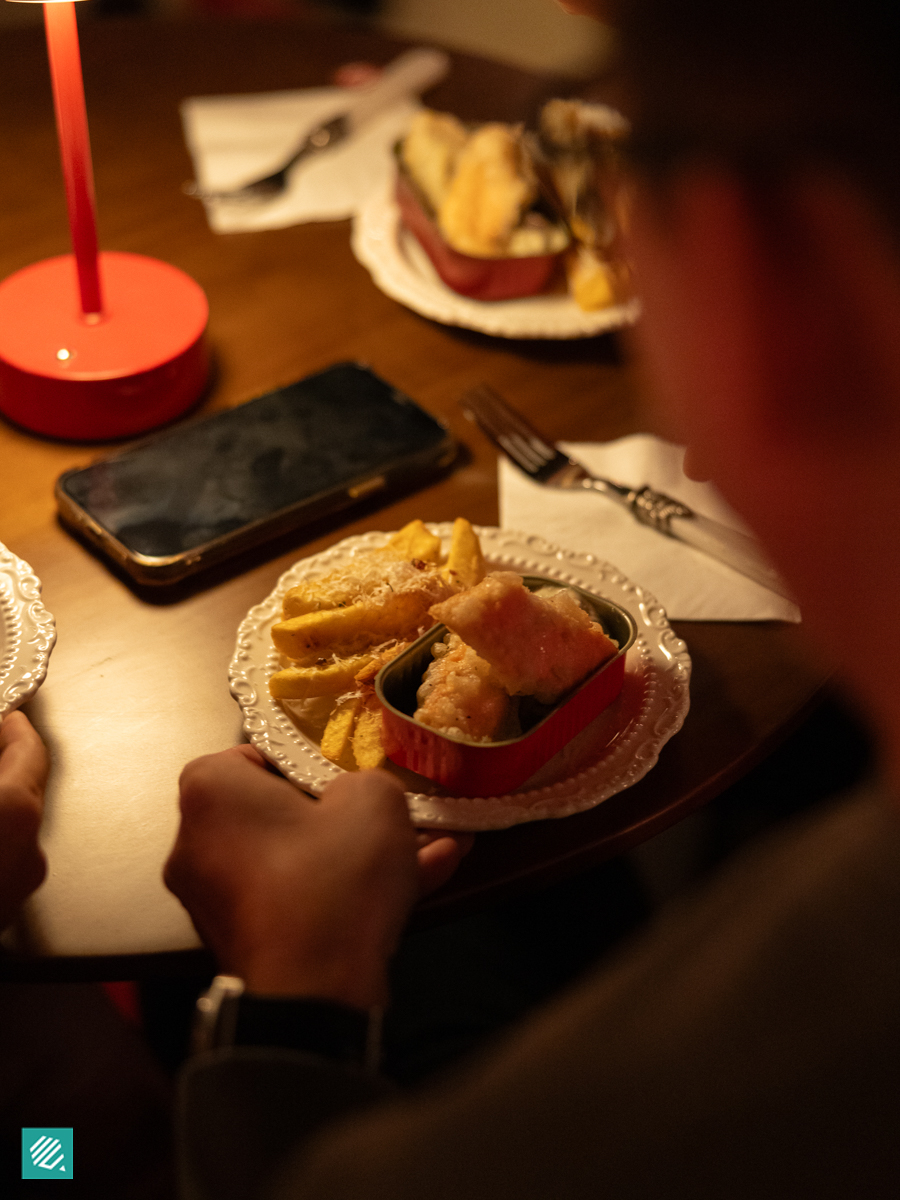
(500, 192)
(430, 150)
(490, 191)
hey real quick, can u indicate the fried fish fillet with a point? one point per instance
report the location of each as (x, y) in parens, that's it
(537, 646)
(491, 189)
(460, 694)
(430, 150)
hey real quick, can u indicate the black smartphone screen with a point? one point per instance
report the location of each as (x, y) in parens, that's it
(196, 483)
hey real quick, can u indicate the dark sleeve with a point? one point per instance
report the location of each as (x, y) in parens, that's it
(747, 1047)
(242, 1110)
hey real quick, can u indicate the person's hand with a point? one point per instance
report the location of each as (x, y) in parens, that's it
(23, 776)
(296, 896)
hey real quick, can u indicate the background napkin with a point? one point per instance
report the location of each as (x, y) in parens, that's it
(690, 585)
(235, 139)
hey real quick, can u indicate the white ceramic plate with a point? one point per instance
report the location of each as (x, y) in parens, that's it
(615, 751)
(402, 269)
(27, 632)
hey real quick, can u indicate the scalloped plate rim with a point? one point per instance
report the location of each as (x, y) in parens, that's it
(399, 268)
(27, 632)
(660, 655)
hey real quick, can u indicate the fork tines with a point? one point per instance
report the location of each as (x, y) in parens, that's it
(511, 432)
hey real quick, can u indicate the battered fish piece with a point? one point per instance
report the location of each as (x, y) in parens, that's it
(537, 646)
(430, 151)
(491, 189)
(460, 693)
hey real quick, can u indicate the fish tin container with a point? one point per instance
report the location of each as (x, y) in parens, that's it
(466, 274)
(467, 768)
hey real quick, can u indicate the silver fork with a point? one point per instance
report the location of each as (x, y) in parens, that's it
(323, 136)
(410, 73)
(545, 463)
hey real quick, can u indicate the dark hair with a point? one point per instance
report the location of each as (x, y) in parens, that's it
(767, 85)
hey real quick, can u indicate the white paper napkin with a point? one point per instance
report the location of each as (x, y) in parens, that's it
(690, 585)
(235, 139)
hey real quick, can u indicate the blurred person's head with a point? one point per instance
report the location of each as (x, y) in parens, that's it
(766, 235)
(768, 87)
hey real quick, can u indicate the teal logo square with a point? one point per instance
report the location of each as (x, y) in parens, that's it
(47, 1154)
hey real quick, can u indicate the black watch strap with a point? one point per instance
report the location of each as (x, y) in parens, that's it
(314, 1026)
(228, 1015)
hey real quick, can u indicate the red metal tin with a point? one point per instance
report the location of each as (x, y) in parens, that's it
(477, 278)
(467, 768)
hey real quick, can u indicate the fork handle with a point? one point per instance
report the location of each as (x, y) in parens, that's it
(409, 74)
(677, 520)
(729, 546)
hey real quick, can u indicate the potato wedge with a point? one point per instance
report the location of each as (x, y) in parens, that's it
(301, 683)
(465, 562)
(346, 631)
(425, 547)
(329, 592)
(337, 740)
(368, 749)
(367, 675)
(337, 589)
(413, 542)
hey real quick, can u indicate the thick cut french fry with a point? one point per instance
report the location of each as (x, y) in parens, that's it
(413, 542)
(397, 544)
(465, 562)
(300, 683)
(367, 675)
(337, 740)
(425, 547)
(368, 749)
(593, 282)
(346, 631)
(329, 592)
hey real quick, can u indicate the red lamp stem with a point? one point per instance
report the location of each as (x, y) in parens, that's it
(74, 147)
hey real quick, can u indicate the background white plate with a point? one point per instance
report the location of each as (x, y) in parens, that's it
(615, 751)
(402, 269)
(27, 632)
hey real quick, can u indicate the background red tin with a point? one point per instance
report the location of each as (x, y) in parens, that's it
(477, 278)
(467, 768)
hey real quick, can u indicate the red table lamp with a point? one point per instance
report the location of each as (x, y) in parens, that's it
(95, 345)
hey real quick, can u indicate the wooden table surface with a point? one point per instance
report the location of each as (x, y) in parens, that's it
(137, 682)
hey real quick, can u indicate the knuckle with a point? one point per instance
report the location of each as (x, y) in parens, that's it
(21, 809)
(36, 871)
(196, 785)
(171, 874)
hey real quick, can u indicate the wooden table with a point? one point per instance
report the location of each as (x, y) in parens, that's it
(137, 682)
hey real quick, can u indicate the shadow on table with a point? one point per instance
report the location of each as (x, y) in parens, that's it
(605, 349)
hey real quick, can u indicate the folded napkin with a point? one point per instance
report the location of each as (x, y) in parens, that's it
(690, 585)
(236, 139)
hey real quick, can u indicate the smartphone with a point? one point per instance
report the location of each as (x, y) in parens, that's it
(203, 491)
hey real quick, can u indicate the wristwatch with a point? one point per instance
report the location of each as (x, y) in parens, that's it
(228, 1015)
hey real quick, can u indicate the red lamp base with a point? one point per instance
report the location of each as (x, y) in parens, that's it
(141, 363)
